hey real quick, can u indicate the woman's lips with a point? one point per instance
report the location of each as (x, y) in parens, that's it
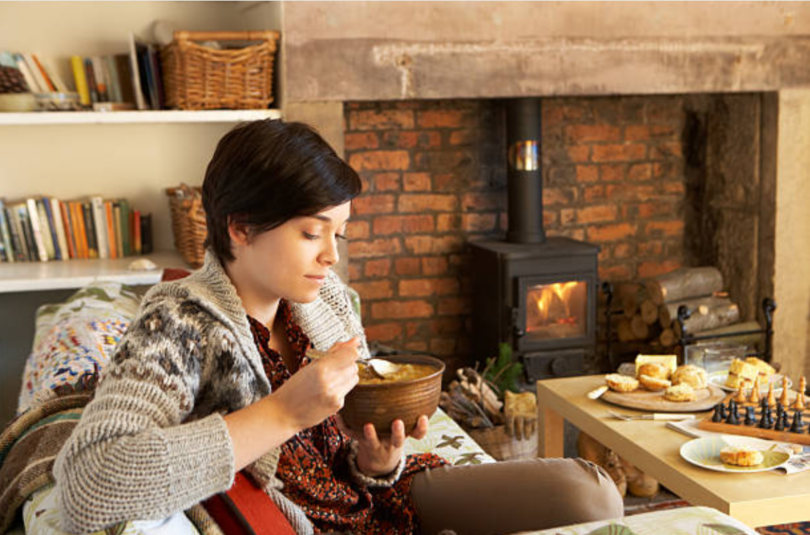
(318, 279)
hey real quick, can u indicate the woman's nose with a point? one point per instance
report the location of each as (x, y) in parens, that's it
(330, 255)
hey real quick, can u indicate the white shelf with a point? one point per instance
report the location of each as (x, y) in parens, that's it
(135, 117)
(60, 275)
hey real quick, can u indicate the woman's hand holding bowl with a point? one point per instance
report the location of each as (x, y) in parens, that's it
(379, 456)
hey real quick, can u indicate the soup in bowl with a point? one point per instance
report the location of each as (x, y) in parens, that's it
(412, 391)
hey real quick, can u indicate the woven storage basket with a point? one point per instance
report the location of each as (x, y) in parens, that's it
(188, 223)
(201, 78)
(501, 446)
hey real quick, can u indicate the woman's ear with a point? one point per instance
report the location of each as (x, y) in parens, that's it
(238, 231)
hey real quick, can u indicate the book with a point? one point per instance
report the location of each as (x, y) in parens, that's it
(113, 80)
(68, 228)
(134, 43)
(17, 238)
(124, 70)
(90, 229)
(54, 75)
(33, 85)
(113, 244)
(78, 227)
(117, 225)
(44, 228)
(136, 231)
(146, 77)
(42, 85)
(30, 246)
(45, 77)
(146, 233)
(100, 225)
(56, 213)
(125, 245)
(157, 78)
(81, 80)
(36, 229)
(5, 235)
(99, 77)
(91, 80)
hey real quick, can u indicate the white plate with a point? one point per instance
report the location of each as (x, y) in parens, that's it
(719, 379)
(705, 452)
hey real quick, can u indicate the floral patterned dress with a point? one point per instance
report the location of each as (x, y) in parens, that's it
(313, 464)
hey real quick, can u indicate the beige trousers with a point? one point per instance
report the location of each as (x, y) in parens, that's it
(507, 497)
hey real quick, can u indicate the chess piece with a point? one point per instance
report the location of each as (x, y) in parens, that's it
(785, 420)
(799, 404)
(750, 416)
(780, 421)
(784, 397)
(798, 424)
(771, 398)
(754, 397)
(733, 417)
(765, 419)
(763, 403)
(719, 413)
(740, 396)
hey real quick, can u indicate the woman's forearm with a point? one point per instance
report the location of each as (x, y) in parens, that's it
(258, 428)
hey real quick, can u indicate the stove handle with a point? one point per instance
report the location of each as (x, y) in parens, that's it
(517, 328)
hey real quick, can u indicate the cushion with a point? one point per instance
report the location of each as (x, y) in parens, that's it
(75, 336)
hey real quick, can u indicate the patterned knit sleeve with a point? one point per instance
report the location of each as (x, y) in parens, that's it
(131, 457)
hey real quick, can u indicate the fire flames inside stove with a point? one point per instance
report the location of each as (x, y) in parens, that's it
(557, 310)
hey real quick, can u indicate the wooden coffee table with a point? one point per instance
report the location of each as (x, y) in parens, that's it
(758, 499)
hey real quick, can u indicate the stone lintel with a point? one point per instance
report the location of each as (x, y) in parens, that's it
(379, 69)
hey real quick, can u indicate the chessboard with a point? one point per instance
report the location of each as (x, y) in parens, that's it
(774, 420)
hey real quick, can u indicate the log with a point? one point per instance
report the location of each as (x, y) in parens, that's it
(624, 331)
(719, 316)
(668, 312)
(641, 331)
(648, 311)
(631, 298)
(684, 283)
(668, 338)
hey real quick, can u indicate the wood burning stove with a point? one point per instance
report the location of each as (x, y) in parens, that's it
(538, 294)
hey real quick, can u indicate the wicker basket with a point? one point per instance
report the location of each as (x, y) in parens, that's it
(188, 223)
(501, 446)
(201, 78)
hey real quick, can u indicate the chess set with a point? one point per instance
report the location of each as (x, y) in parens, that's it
(764, 416)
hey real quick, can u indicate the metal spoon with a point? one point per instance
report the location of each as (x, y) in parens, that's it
(379, 367)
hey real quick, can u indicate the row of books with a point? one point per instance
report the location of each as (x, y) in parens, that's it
(39, 74)
(40, 229)
(129, 80)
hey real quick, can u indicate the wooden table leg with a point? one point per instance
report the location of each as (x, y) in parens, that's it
(551, 431)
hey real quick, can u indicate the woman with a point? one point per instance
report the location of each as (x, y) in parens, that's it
(213, 379)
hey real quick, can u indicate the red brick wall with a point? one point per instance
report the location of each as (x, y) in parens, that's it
(434, 177)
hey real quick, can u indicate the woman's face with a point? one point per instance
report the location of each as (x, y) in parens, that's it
(292, 260)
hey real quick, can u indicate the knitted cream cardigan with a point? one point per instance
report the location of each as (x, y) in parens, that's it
(153, 440)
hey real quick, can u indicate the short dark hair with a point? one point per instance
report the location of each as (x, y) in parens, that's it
(264, 173)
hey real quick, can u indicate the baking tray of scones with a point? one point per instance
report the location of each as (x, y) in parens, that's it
(656, 387)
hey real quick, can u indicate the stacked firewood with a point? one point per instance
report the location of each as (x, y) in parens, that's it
(650, 310)
(472, 402)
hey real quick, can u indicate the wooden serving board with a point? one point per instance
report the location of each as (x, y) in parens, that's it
(645, 400)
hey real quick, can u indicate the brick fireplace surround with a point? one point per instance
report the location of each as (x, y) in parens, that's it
(660, 122)
(435, 177)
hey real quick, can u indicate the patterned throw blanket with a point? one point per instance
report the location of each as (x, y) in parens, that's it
(28, 448)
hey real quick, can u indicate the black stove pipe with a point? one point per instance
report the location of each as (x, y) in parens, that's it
(524, 171)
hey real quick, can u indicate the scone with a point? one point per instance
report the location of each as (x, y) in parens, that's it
(621, 383)
(680, 393)
(653, 383)
(765, 370)
(741, 456)
(740, 371)
(690, 375)
(654, 370)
